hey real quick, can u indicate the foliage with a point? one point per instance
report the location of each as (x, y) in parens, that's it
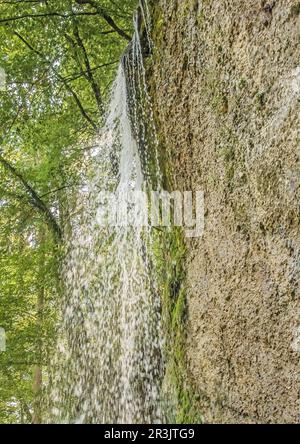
(60, 58)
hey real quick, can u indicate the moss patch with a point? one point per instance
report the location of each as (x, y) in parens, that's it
(169, 252)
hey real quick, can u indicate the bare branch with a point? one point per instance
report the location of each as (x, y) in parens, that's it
(101, 11)
(83, 73)
(60, 189)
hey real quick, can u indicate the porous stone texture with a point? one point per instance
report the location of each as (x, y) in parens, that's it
(226, 88)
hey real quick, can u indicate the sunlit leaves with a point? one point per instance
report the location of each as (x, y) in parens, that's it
(45, 136)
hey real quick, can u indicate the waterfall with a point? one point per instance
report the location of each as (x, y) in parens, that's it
(109, 365)
(145, 11)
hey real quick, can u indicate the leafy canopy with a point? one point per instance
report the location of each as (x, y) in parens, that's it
(60, 58)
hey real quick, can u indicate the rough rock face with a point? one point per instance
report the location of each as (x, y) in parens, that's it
(226, 85)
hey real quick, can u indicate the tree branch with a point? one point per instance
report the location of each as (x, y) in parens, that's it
(101, 11)
(62, 79)
(62, 188)
(89, 72)
(45, 15)
(35, 200)
(83, 73)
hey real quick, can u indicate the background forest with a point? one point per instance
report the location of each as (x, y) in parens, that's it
(59, 57)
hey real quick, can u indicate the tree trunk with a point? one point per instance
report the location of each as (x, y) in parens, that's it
(38, 371)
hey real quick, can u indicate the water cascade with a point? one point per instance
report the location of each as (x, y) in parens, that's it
(109, 366)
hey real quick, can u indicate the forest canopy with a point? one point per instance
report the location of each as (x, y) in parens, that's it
(59, 58)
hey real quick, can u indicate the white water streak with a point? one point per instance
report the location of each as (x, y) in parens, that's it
(109, 365)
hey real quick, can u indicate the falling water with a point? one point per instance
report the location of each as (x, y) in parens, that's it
(109, 364)
(144, 7)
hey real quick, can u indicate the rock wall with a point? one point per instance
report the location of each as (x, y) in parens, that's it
(226, 86)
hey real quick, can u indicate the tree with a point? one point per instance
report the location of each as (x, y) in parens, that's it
(60, 59)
